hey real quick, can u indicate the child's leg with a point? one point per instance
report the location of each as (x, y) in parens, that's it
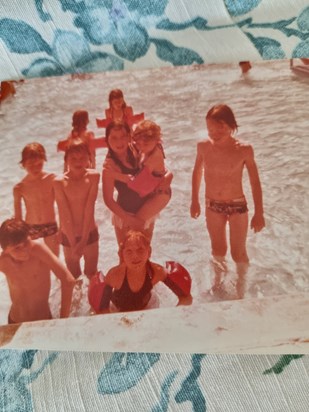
(73, 264)
(153, 206)
(53, 243)
(238, 237)
(216, 226)
(91, 256)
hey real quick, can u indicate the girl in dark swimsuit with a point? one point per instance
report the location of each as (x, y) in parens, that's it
(122, 161)
(130, 283)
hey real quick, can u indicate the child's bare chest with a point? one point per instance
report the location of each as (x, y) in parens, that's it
(223, 162)
(25, 274)
(39, 190)
(77, 190)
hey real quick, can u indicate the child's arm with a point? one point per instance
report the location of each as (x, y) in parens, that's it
(65, 215)
(155, 162)
(161, 275)
(257, 221)
(195, 208)
(61, 272)
(17, 202)
(121, 177)
(89, 209)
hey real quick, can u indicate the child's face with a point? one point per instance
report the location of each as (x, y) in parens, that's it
(19, 252)
(135, 254)
(33, 166)
(118, 141)
(117, 103)
(218, 130)
(78, 161)
(146, 146)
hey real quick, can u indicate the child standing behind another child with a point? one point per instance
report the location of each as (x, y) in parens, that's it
(36, 190)
(118, 110)
(80, 120)
(76, 193)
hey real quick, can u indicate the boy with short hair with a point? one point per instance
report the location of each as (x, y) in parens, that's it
(37, 193)
(27, 265)
(76, 193)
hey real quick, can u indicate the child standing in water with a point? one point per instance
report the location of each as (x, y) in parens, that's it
(80, 121)
(76, 193)
(37, 193)
(222, 159)
(27, 265)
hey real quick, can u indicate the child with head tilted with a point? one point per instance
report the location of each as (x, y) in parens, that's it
(222, 159)
(76, 193)
(37, 193)
(80, 121)
(128, 286)
(27, 265)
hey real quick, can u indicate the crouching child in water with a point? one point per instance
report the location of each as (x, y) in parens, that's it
(76, 193)
(222, 159)
(129, 285)
(27, 265)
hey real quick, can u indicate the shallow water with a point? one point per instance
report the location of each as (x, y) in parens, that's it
(271, 107)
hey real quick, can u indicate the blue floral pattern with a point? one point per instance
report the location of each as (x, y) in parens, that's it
(92, 35)
(160, 383)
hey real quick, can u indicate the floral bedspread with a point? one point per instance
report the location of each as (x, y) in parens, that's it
(53, 37)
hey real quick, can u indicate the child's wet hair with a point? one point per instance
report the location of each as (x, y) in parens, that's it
(223, 113)
(77, 146)
(116, 94)
(139, 237)
(33, 151)
(13, 232)
(80, 120)
(148, 130)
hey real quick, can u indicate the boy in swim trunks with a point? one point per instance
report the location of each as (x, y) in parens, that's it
(37, 193)
(222, 159)
(76, 193)
(27, 265)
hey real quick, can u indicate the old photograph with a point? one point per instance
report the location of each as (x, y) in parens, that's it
(149, 198)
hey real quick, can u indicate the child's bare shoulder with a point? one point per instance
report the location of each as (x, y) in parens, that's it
(244, 147)
(115, 275)
(203, 145)
(49, 176)
(159, 272)
(59, 180)
(93, 176)
(17, 189)
(109, 164)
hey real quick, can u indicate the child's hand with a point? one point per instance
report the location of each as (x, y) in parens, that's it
(78, 249)
(257, 222)
(195, 210)
(127, 178)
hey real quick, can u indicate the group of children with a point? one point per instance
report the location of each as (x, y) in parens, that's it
(27, 263)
